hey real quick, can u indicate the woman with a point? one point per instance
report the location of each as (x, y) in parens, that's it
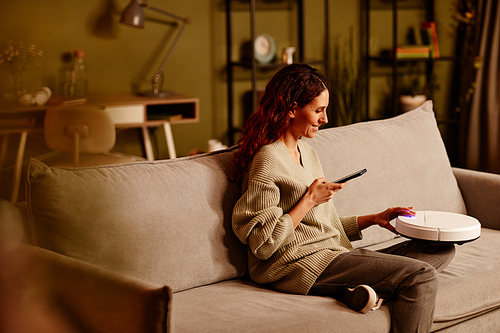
(296, 241)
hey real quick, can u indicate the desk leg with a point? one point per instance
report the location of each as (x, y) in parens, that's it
(147, 144)
(170, 140)
(19, 166)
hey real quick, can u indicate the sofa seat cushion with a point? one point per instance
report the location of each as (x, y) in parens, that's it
(469, 285)
(468, 288)
(407, 166)
(242, 306)
(167, 222)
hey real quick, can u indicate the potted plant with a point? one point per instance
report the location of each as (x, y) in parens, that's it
(347, 83)
(415, 89)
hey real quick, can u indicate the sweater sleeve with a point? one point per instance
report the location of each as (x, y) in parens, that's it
(259, 222)
(351, 228)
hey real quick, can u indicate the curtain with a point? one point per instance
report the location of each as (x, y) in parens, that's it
(483, 132)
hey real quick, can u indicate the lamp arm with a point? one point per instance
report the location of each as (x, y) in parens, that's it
(156, 79)
(146, 5)
(185, 22)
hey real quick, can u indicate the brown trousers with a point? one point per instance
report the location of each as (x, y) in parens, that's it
(405, 275)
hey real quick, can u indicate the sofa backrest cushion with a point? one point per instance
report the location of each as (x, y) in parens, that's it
(407, 166)
(167, 222)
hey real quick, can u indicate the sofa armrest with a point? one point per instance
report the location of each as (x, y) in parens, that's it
(481, 193)
(42, 291)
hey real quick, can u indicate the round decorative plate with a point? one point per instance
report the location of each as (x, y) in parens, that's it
(264, 48)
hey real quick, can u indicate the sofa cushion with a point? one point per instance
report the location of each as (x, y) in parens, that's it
(167, 222)
(469, 286)
(407, 166)
(467, 289)
(244, 307)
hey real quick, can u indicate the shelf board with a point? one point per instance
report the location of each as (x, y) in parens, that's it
(401, 4)
(248, 64)
(262, 5)
(272, 65)
(390, 60)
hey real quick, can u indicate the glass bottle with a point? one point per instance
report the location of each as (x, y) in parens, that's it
(78, 85)
(64, 80)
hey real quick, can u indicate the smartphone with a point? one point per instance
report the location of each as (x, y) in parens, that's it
(351, 176)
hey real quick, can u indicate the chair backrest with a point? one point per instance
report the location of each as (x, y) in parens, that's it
(79, 129)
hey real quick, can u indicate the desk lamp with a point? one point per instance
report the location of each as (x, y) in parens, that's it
(133, 15)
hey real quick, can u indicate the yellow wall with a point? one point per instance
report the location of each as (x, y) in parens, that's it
(117, 56)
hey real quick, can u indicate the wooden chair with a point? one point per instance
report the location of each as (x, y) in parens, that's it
(81, 136)
(5, 134)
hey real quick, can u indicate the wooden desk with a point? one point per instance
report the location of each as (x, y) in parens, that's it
(16, 178)
(128, 111)
(131, 111)
(13, 121)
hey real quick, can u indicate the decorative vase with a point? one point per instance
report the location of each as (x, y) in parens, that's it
(14, 59)
(409, 102)
(15, 90)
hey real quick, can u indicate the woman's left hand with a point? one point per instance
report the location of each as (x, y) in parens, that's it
(383, 218)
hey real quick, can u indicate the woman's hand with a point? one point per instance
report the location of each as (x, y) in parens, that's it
(320, 191)
(382, 219)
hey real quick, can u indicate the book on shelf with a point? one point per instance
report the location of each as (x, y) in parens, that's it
(412, 51)
(412, 55)
(429, 37)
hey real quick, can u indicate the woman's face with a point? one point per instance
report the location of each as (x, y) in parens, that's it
(307, 120)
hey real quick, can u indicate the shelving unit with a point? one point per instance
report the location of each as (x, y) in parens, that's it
(388, 67)
(389, 62)
(257, 70)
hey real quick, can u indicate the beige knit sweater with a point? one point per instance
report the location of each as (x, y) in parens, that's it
(290, 260)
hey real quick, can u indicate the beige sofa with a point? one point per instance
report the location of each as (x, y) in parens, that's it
(149, 247)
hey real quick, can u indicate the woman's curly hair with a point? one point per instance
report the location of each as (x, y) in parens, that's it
(296, 84)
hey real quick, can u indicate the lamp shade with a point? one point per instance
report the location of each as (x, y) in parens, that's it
(133, 15)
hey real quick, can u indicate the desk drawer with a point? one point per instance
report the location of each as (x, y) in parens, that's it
(126, 114)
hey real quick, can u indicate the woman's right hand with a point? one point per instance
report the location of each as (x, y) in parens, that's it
(321, 191)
